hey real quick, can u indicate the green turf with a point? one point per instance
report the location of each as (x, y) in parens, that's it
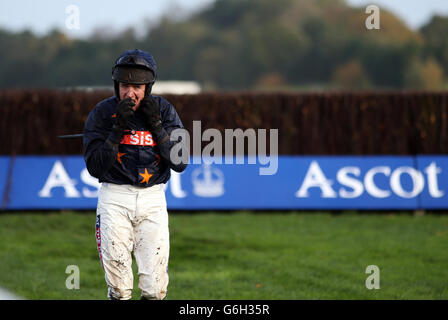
(241, 256)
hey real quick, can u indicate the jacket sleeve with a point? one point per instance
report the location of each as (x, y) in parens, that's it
(100, 144)
(170, 122)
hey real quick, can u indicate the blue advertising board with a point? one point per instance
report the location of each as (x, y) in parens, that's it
(300, 182)
(4, 177)
(434, 193)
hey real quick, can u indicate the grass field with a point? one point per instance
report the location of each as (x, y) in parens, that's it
(241, 255)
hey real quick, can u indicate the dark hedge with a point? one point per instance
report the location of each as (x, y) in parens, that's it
(368, 123)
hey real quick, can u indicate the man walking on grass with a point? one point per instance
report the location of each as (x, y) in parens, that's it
(127, 147)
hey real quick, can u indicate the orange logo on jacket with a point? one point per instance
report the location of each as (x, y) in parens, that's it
(139, 138)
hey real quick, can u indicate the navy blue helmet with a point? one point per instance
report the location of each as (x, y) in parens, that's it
(134, 67)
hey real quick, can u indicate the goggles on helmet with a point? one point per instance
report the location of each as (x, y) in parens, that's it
(133, 69)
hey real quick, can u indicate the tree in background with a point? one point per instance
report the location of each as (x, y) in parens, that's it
(350, 75)
(424, 75)
(245, 44)
(436, 42)
(435, 32)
